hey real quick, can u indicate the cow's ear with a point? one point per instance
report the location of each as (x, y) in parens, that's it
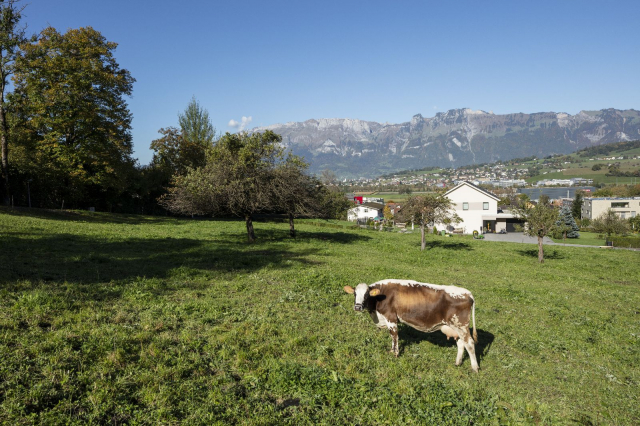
(374, 292)
(348, 289)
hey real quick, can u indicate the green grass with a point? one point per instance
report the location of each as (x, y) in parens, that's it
(116, 319)
(586, 238)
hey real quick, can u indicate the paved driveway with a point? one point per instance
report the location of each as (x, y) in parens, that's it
(516, 237)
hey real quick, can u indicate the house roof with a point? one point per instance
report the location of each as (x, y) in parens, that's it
(469, 184)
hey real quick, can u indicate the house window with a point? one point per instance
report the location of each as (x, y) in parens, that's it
(366, 210)
(619, 205)
(485, 206)
(465, 206)
(633, 214)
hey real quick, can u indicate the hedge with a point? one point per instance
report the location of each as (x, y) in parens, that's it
(624, 241)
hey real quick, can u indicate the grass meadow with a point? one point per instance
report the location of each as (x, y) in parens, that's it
(115, 319)
(586, 238)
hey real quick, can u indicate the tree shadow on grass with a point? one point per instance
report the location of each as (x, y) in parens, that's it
(271, 234)
(448, 245)
(548, 253)
(91, 217)
(409, 336)
(80, 261)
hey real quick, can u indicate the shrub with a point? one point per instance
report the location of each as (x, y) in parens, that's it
(629, 242)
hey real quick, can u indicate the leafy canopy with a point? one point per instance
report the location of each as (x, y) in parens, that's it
(69, 99)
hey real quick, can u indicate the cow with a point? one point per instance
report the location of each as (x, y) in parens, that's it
(425, 307)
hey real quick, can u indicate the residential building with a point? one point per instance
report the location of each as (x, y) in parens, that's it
(623, 207)
(478, 210)
(365, 211)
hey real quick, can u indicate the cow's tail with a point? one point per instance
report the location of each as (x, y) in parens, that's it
(475, 330)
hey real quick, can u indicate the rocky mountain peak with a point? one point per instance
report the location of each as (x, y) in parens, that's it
(356, 148)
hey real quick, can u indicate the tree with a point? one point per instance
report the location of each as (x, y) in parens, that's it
(176, 155)
(610, 223)
(566, 225)
(540, 220)
(11, 37)
(294, 192)
(596, 167)
(196, 125)
(70, 103)
(386, 212)
(404, 189)
(328, 177)
(237, 179)
(576, 206)
(333, 204)
(428, 210)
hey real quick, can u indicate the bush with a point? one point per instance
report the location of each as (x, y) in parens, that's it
(630, 242)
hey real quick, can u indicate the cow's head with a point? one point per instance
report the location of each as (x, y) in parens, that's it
(362, 292)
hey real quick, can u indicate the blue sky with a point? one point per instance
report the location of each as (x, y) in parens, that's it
(279, 61)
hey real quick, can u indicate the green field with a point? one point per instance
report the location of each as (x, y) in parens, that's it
(586, 238)
(582, 167)
(115, 319)
(394, 196)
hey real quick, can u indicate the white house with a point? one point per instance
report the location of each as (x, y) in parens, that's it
(478, 210)
(365, 211)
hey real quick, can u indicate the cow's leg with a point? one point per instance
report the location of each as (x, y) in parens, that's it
(393, 330)
(471, 350)
(460, 344)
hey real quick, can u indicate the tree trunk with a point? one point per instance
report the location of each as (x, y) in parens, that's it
(292, 229)
(540, 250)
(424, 242)
(4, 185)
(251, 236)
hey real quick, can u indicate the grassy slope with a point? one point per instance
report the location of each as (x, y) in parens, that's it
(113, 319)
(598, 176)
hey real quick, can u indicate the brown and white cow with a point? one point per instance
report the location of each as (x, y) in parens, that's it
(425, 307)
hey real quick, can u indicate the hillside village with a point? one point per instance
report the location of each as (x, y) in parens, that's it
(503, 175)
(483, 194)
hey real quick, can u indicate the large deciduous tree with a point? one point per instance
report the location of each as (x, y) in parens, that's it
(540, 220)
(238, 179)
(427, 210)
(69, 99)
(11, 37)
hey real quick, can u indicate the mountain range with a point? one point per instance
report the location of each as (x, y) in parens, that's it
(356, 148)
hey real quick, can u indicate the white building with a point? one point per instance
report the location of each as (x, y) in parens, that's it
(365, 211)
(623, 207)
(478, 210)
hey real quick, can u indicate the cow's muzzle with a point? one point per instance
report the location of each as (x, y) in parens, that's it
(357, 307)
